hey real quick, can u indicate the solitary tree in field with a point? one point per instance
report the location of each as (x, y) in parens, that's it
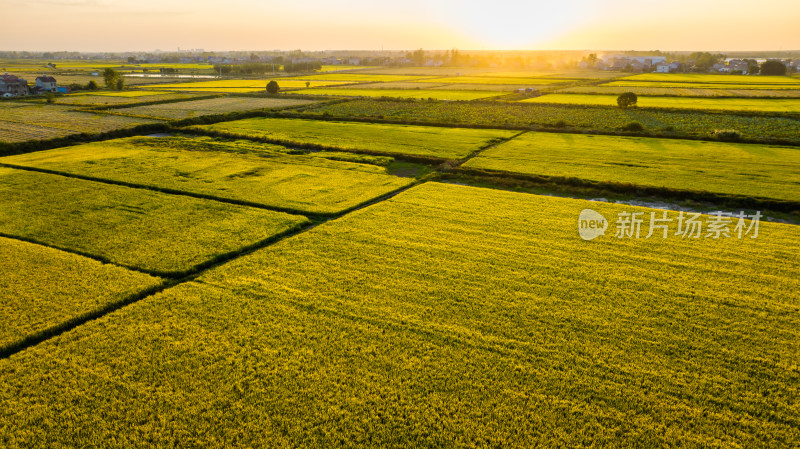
(120, 83)
(272, 87)
(308, 84)
(627, 99)
(110, 76)
(773, 68)
(92, 85)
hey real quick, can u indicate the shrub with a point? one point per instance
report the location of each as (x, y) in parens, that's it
(633, 126)
(728, 135)
(272, 87)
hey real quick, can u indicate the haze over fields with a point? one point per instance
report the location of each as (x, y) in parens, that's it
(106, 25)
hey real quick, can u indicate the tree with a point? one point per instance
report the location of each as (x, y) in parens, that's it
(418, 57)
(110, 76)
(308, 84)
(92, 85)
(752, 66)
(51, 98)
(774, 68)
(120, 83)
(627, 99)
(272, 87)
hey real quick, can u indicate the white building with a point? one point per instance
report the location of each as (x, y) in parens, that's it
(46, 83)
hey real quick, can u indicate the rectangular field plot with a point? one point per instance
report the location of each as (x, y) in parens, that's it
(497, 80)
(109, 98)
(679, 85)
(42, 288)
(680, 91)
(425, 141)
(138, 228)
(730, 168)
(447, 313)
(243, 171)
(722, 104)
(188, 109)
(532, 114)
(39, 121)
(241, 85)
(462, 95)
(711, 78)
(354, 77)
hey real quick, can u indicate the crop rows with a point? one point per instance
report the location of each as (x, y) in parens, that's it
(718, 104)
(448, 315)
(718, 167)
(102, 99)
(61, 118)
(132, 227)
(196, 108)
(498, 80)
(463, 95)
(544, 115)
(239, 171)
(43, 288)
(680, 91)
(710, 78)
(242, 85)
(425, 141)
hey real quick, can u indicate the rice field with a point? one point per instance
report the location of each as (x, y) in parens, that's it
(786, 105)
(142, 229)
(761, 171)
(698, 85)
(462, 95)
(44, 288)
(498, 80)
(425, 141)
(447, 314)
(680, 91)
(355, 77)
(33, 121)
(108, 98)
(196, 108)
(241, 85)
(711, 78)
(534, 115)
(240, 171)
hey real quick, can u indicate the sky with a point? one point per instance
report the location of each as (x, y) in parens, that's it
(139, 25)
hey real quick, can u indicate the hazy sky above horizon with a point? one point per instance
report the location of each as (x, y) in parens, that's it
(122, 25)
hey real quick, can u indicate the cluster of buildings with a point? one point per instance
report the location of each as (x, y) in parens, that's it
(13, 86)
(633, 64)
(659, 64)
(742, 65)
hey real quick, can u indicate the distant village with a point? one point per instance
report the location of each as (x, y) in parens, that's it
(255, 63)
(660, 64)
